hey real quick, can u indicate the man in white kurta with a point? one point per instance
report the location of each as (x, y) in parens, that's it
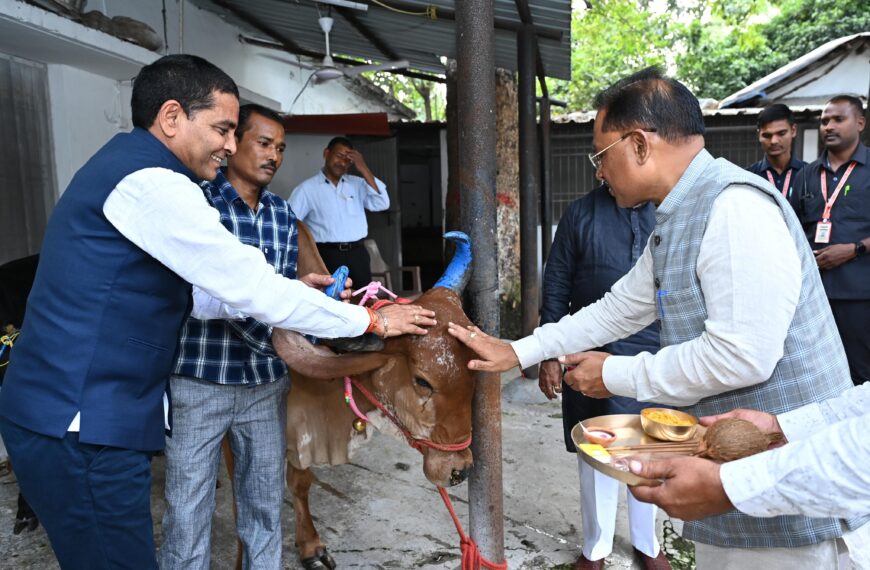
(728, 275)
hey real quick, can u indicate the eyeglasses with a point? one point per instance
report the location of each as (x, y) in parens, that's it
(595, 158)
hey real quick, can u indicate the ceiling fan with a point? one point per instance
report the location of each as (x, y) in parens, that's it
(328, 71)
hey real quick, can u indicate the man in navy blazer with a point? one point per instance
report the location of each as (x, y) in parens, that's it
(82, 405)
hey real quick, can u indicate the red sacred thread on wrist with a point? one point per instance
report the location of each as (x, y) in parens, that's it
(373, 320)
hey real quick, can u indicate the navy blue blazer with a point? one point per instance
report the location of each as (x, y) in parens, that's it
(103, 316)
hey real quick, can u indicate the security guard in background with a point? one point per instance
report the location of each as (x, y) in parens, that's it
(832, 200)
(776, 132)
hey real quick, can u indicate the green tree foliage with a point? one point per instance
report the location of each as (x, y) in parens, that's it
(718, 60)
(716, 46)
(728, 44)
(427, 98)
(803, 25)
(608, 39)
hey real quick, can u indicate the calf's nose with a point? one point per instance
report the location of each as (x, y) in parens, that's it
(457, 476)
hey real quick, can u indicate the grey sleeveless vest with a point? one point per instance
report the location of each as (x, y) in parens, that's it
(813, 367)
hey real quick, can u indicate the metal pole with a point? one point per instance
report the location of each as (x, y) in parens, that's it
(452, 202)
(526, 18)
(529, 169)
(475, 81)
(546, 195)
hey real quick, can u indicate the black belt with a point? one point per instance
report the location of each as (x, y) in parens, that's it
(341, 246)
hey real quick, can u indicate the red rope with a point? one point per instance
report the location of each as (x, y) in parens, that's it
(384, 302)
(472, 559)
(415, 442)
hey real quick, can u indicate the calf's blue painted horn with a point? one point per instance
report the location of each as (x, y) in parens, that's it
(458, 273)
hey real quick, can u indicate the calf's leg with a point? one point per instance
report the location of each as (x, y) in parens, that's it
(231, 470)
(312, 552)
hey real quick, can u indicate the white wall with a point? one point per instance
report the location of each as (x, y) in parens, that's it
(89, 107)
(810, 150)
(207, 35)
(850, 76)
(302, 159)
(86, 111)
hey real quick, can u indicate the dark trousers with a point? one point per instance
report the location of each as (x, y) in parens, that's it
(356, 259)
(94, 501)
(853, 322)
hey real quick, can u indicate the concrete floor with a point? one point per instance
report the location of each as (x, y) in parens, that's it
(381, 513)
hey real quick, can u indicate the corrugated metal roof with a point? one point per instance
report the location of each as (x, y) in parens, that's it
(581, 117)
(421, 40)
(786, 72)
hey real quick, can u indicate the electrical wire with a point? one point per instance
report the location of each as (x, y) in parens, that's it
(301, 91)
(403, 29)
(430, 12)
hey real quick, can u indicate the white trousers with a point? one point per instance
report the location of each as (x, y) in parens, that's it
(599, 497)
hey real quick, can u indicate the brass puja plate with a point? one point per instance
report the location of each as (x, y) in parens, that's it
(612, 461)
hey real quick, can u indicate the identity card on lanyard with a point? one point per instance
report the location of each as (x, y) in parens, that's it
(784, 184)
(823, 228)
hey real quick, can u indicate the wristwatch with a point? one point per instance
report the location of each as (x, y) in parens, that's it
(860, 249)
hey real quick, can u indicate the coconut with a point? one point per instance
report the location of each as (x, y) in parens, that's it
(732, 438)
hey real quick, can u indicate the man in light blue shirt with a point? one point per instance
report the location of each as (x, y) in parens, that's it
(332, 203)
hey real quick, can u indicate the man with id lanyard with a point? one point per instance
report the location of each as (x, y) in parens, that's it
(776, 132)
(831, 199)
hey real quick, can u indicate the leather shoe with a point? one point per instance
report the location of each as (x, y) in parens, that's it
(584, 564)
(660, 562)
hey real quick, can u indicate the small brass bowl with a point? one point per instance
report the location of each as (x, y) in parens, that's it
(600, 436)
(665, 431)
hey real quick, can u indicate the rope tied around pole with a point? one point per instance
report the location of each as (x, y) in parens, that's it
(472, 559)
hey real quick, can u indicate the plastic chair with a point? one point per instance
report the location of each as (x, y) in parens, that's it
(382, 272)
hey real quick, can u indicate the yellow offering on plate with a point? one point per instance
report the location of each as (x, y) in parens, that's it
(667, 417)
(667, 424)
(595, 451)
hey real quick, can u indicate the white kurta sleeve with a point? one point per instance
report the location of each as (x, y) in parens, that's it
(823, 476)
(206, 307)
(623, 311)
(750, 276)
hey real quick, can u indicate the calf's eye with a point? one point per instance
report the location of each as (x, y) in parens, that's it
(423, 384)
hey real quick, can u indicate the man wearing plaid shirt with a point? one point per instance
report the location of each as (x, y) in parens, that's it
(227, 380)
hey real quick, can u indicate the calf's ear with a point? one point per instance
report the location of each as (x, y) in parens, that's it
(320, 362)
(308, 260)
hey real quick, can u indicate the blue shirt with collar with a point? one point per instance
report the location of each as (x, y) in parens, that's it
(240, 352)
(850, 219)
(336, 213)
(766, 170)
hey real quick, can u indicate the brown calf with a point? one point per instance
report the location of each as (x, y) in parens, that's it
(423, 381)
